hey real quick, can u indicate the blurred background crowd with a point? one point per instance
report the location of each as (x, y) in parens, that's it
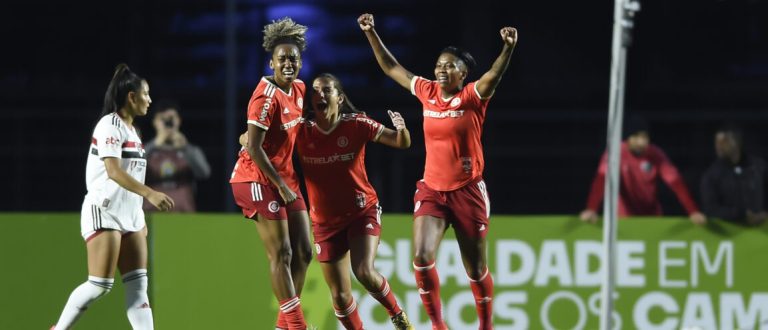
(694, 67)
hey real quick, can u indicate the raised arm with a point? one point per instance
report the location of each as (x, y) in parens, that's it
(398, 137)
(256, 137)
(486, 85)
(387, 62)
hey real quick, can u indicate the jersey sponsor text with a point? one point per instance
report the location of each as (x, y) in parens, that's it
(444, 114)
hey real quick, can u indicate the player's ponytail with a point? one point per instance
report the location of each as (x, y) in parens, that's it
(123, 81)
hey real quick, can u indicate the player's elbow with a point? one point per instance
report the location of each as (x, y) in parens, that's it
(112, 174)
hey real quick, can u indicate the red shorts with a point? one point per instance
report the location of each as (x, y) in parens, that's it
(331, 244)
(467, 209)
(256, 198)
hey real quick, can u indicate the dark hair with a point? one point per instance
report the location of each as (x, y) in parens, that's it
(165, 104)
(635, 124)
(463, 55)
(123, 81)
(345, 107)
(735, 132)
(284, 30)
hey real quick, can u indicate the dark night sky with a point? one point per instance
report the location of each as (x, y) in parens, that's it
(693, 66)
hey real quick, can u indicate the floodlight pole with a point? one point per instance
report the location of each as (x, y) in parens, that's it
(624, 12)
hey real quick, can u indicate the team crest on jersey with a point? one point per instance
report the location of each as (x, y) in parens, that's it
(646, 166)
(300, 102)
(342, 141)
(317, 248)
(273, 206)
(455, 102)
(360, 199)
(418, 205)
(466, 164)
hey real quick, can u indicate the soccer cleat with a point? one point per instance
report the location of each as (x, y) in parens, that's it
(400, 320)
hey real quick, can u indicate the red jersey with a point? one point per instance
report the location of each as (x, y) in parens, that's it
(279, 113)
(334, 168)
(639, 176)
(452, 131)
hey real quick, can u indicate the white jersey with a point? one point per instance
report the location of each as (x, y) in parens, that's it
(107, 205)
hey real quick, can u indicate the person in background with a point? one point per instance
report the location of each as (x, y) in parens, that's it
(642, 165)
(733, 188)
(173, 164)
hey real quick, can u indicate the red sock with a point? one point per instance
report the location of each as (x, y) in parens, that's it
(386, 298)
(291, 308)
(429, 290)
(482, 289)
(349, 317)
(281, 322)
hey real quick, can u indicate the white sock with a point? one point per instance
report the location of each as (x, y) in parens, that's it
(137, 301)
(81, 297)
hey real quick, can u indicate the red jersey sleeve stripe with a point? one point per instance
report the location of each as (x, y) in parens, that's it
(130, 144)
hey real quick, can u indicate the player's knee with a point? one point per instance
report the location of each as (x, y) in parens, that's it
(99, 287)
(423, 256)
(282, 255)
(341, 299)
(478, 271)
(365, 274)
(475, 273)
(304, 254)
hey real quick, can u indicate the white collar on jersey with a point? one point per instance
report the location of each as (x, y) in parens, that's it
(330, 130)
(278, 87)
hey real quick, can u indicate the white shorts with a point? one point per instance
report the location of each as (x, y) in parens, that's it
(94, 218)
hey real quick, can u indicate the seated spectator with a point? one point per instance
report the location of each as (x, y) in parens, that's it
(173, 164)
(642, 165)
(733, 187)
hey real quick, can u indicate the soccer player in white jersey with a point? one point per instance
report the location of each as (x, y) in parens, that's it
(111, 220)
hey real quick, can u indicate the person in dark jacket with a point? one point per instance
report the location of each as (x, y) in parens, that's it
(733, 188)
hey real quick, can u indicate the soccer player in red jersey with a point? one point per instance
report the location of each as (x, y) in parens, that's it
(112, 221)
(642, 165)
(343, 205)
(263, 181)
(452, 192)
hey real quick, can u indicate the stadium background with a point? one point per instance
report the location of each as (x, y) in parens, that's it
(694, 65)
